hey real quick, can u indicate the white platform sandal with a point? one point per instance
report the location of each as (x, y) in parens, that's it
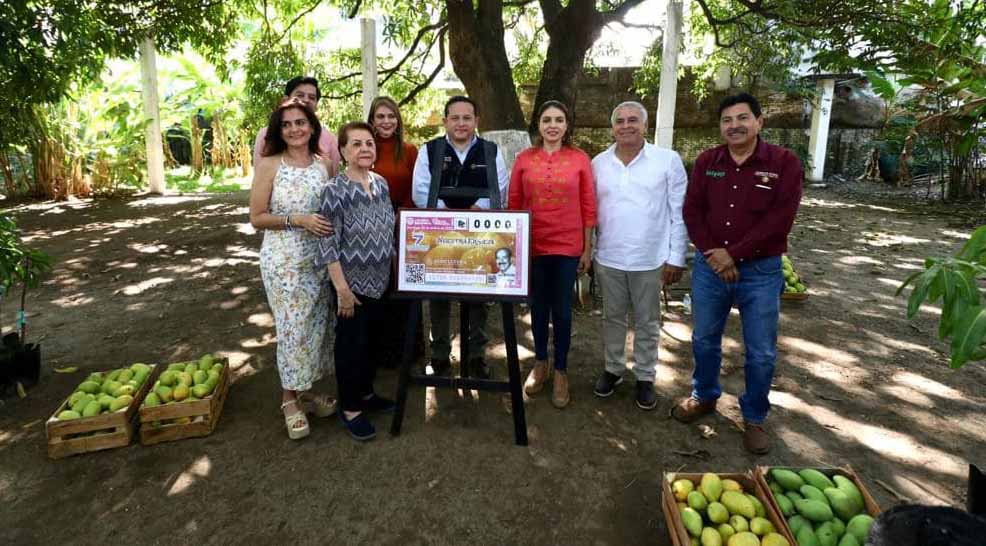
(293, 421)
(321, 405)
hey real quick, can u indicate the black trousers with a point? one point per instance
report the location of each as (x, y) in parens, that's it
(355, 368)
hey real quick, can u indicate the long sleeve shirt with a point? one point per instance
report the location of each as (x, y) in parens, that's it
(363, 240)
(747, 209)
(559, 191)
(399, 174)
(640, 224)
(422, 176)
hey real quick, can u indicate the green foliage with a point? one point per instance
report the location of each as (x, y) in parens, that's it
(955, 282)
(18, 263)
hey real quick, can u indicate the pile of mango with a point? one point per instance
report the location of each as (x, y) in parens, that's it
(821, 511)
(718, 512)
(106, 392)
(186, 381)
(792, 281)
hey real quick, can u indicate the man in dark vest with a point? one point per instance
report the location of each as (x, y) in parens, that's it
(450, 164)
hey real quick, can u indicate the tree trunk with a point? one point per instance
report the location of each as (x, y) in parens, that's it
(479, 58)
(571, 32)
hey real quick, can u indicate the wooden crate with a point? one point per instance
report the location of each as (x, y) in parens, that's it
(204, 415)
(672, 517)
(794, 296)
(87, 434)
(760, 473)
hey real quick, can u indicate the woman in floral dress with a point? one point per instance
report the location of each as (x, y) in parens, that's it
(284, 201)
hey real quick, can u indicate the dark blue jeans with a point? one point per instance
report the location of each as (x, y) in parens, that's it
(757, 295)
(552, 284)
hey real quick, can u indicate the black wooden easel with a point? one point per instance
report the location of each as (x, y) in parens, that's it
(452, 190)
(512, 385)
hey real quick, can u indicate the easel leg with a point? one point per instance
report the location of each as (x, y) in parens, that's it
(513, 368)
(406, 362)
(464, 370)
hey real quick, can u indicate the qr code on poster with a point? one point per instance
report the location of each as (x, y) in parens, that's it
(414, 273)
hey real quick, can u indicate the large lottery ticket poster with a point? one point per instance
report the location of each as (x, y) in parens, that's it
(468, 252)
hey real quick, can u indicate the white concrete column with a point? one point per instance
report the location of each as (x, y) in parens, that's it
(152, 132)
(664, 129)
(821, 113)
(369, 39)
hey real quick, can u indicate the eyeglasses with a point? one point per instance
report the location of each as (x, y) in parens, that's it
(299, 123)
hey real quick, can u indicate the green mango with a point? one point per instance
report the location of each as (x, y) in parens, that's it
(697, 501)
(814, 510)
(806, 536)
(761, 526)
(840, 503)
(185, 378)
(176, 367)
(206, 361)
(825, 534)
(89, 387)
(739, 523)
(849, 539)
(218, 368)
(838, 527)
(812, 492)
(165, 393)
(125, 375)
(717, 513)
(95, 377)
(710, 537)
(92, 409)
(816, 478)
(787, 479)
(200, 391)
(169, 378)
(859, 526)
(74, 397)
(847, 486)
(124, 389)
(797, 521)
(775, 488)
(199, 377)
(680, 488)
(794, 496)
(68, 415)
(138, 367)
(745, 538)
(738, 503)
(190, 368)
(109, 386)
(785, 504)
(692, 521)
(152, 400)
(122, 402)
(140, 376)
(81, 403)
(105, 401)
(113, 375)
(711, 486)
(725, 531)
(180, 392)
(774, 539)
(757, 506)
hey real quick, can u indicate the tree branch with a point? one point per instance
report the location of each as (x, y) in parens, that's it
(434, 74)
(298, 17)
(352, 13)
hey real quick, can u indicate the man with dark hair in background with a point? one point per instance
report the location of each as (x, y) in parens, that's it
(305, 89)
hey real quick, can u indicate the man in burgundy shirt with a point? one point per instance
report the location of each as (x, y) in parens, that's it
(739, 208)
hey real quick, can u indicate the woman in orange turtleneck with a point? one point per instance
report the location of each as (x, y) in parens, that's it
(395, 158)
(395, 163)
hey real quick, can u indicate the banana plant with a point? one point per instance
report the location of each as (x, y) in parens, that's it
(955, 282)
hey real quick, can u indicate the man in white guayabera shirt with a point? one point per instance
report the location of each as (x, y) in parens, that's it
(641, 243)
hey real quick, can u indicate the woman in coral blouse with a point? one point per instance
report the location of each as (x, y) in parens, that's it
(553, 179)
(395, 158)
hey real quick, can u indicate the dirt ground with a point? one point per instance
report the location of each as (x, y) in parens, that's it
(169, 278)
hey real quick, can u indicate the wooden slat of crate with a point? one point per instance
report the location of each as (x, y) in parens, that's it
(760, 473)
(104, 431)
(750, 485)
(794, 296)
(669, 505)
(209, 408)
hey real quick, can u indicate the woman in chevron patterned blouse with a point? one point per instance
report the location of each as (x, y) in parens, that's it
(358, 256)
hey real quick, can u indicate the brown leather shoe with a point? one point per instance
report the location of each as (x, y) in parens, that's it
(755, 439)
(690, 409)
(559, 396)
(537, 378)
